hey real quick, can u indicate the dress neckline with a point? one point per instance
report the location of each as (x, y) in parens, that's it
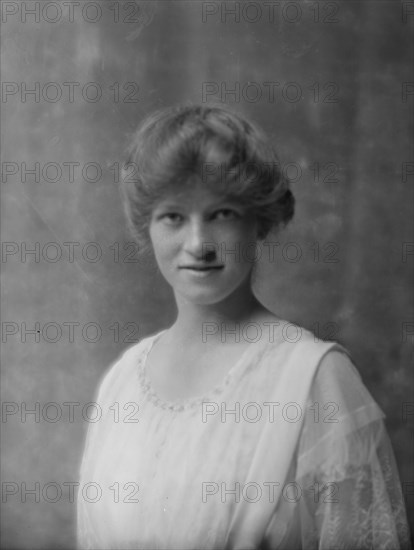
(255, 350)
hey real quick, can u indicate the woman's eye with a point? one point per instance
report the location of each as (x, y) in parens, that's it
(227, 213)
(171, 217)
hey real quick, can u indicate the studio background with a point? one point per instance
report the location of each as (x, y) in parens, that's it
(341, 120)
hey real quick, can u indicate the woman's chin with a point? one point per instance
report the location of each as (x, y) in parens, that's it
(202, 297)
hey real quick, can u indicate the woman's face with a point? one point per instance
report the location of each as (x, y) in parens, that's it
(204, 244)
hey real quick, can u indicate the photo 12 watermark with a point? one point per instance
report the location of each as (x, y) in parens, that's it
(74, 172)
(273, 252)
(270, 11)
(69, 411)
(53, 252)
(135, 14)
(314, 171)
(69, 92)
(71, 491)
(270, 92)
(268, 411)
(253, 492)
(269, 331)
(52, 332)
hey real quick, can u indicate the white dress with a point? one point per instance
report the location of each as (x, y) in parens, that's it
(288, 452)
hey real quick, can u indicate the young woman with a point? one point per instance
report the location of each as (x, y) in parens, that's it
(229, 429)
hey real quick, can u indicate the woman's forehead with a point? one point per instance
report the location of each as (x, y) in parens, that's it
(190, 195)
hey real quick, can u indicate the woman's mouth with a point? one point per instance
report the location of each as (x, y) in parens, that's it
(202, 271)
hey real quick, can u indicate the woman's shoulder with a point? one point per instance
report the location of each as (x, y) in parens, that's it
(291, 353)
(339, 380)
(278, 330)
(335, 377)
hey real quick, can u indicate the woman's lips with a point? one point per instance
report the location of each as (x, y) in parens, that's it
(201, 267)
(202, 271)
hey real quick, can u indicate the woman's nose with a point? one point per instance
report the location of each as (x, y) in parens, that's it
(199, 242)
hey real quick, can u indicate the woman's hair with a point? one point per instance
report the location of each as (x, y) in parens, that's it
(213, 147)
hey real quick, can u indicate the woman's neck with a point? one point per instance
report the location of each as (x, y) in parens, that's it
(196, 322)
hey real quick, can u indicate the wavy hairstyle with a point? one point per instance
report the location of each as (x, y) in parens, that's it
(176, 146)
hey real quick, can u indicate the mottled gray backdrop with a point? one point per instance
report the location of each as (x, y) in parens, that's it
(330, 82)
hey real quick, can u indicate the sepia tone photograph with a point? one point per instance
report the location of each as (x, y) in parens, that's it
(207, 249)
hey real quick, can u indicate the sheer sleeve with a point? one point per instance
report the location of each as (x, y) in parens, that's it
(352, 496)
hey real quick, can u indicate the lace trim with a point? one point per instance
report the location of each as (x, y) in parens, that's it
(366, 511)
(180, 405)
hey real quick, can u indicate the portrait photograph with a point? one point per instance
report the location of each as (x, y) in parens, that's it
(207, 249)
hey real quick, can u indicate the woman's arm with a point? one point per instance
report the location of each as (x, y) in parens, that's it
(352, 495)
